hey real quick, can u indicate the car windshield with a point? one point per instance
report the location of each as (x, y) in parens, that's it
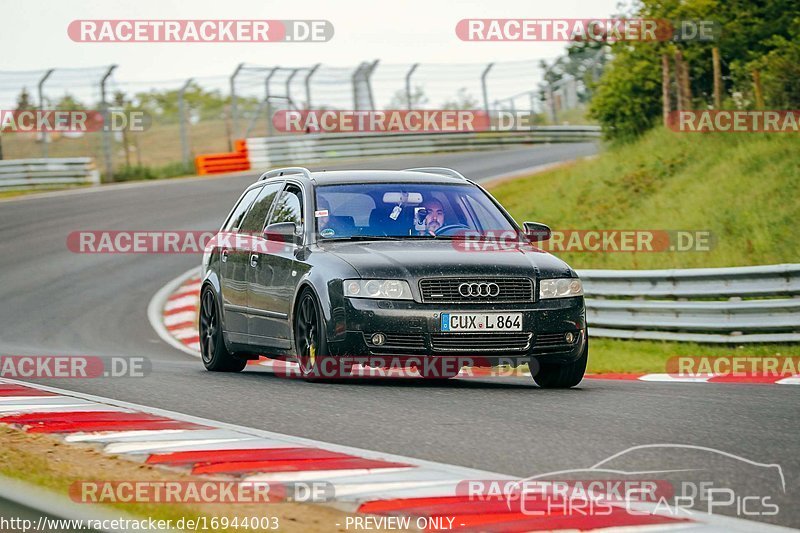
(405, 210)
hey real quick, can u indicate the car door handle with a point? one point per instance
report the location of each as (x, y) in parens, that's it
(254, 260)
(224, 255)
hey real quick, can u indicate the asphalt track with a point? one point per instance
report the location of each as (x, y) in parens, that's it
(58, 302)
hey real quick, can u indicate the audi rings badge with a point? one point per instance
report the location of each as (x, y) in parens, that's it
(479, 290)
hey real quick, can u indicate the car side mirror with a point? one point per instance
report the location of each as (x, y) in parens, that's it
(537, 232)
(282, 232)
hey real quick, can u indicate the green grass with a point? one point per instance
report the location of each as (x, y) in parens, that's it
(743, 188)
(610, 355)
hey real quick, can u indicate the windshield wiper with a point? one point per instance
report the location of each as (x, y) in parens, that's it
(362, 238)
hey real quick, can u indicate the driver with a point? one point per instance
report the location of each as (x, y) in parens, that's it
(435, 216)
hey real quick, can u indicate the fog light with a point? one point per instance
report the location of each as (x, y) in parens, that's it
(569, 337)
(378, 339)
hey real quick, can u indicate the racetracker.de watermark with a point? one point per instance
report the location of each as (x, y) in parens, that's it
(595, 240)
(598, 30)
(73, 366)
(200, 31)
(171, 242)
(199, 492)
(767, 366)
(735, 121)
(390, 120)
(72, 121)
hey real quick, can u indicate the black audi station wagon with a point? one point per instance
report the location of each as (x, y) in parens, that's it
(355, 267)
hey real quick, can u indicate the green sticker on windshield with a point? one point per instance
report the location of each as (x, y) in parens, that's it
(327, 232)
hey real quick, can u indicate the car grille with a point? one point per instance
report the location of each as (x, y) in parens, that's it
(397, 342)
(480, 342)
(446, 290)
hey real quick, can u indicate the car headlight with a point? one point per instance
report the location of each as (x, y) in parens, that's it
(560, 288)
(385, 289)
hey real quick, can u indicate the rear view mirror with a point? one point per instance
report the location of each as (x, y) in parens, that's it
(402, 197)
(537, 232)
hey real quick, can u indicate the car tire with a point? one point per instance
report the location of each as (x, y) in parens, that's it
(216, 357)
(561, 375)
(311, 347)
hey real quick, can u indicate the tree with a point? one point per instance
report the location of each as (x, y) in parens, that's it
(463, 100)
(401, 100)
(24, 101)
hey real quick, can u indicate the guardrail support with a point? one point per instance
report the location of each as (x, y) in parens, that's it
(182, 118)
(109, 164)
(408, 84)
(484, 89)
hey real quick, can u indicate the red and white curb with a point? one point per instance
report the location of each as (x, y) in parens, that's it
(363, 481)
(173, 314)
(702, 378)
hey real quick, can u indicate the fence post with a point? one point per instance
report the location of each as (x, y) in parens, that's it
(368, 78)
(666, 106)
(484, 88)
(717, 78)
(268, 100)
(182, 118)
(41, 108)
(354, 81)
(308, 84)
(109, 164)
(234, 110)
(289, 88)
(408, 84)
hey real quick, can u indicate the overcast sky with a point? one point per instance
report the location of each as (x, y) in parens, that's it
(35, 37)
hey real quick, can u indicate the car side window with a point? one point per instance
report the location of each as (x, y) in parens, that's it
(289, 207)
(236, 216)
(253, 221)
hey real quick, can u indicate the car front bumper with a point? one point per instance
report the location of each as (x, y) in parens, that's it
(414, 329)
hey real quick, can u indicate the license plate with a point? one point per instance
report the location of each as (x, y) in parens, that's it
(481, 321)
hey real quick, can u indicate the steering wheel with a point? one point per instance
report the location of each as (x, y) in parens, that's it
(450, 228)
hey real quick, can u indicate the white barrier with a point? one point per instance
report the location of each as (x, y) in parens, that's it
(23, 173)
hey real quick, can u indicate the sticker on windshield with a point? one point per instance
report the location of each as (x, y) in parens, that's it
(321, 213)
(327, 232)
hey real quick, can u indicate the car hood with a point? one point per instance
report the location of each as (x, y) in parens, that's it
(419, 259)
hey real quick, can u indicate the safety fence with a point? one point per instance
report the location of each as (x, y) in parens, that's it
(711, 305)
(25, 173)
(264, 152)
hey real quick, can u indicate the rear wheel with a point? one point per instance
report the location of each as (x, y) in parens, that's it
(216, 356)
(561, 375)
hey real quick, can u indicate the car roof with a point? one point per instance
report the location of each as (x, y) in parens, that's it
(340, 177)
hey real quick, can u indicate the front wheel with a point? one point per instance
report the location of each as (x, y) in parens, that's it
(216, 356)
(561, 375)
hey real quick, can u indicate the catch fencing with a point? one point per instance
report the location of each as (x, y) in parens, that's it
(758, 304)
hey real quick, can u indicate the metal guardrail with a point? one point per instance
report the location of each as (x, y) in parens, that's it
(23, 173)
(270, 151)
(713, 305)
